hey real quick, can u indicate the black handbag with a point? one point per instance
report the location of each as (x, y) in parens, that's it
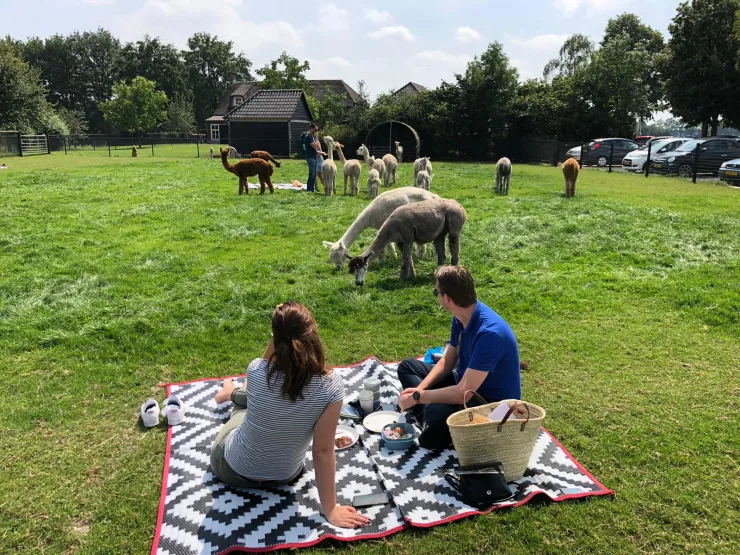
(480, 484)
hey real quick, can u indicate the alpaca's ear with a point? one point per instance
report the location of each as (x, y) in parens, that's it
(342, 245)
(328, 245)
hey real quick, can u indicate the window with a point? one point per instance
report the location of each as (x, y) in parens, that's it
(237, 100)
(215, 132)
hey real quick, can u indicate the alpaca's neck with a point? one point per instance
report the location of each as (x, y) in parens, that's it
(331, 153)
(229, 167)
(341, 156)
(382, 240)
(360, 224)
(366, 154)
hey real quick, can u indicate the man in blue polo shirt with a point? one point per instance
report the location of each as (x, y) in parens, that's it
(483, 356)
(312, 146)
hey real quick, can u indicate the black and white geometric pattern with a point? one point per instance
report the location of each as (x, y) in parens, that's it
(203, 516)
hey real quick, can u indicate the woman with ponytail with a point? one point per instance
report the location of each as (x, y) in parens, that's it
(290, 397)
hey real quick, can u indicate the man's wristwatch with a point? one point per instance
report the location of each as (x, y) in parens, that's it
(416, 396)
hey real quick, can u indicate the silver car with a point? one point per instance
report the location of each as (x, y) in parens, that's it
(635, 160)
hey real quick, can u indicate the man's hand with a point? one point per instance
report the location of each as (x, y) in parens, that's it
(406, 399)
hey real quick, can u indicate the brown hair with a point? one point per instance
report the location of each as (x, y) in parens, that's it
(457, 283)
(299, 353)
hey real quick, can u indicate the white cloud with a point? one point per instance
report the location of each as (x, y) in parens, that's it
(378, 16)
(467, 34)
(398, 31)
(523, 68)
(99, 2)
(541, 42)
(441, 57)
(570, 7)
(175, 20)
(332, 17)
(339, 61)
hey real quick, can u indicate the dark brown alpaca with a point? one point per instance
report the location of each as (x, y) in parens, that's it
(264, 155)
(133, 152)
(249, 168)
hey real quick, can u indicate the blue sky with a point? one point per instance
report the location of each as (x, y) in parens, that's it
(385, 43)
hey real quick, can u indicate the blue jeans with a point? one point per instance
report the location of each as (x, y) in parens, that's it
(313, 168)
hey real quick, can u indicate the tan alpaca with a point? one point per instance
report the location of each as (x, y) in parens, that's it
(570, 172)
(212, 153)
(390, 163)
(351, 170)
(248, 168)
(399, 152)
(329, 169)
(371, 162)
(373, 184)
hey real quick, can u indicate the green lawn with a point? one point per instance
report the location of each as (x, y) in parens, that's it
(117, 274)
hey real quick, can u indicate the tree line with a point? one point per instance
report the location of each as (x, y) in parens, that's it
(90, 82)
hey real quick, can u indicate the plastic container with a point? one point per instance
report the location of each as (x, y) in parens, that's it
(399, 443)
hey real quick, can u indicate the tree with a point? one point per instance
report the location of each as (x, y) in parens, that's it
(23, 104)
(737, 35)
(74, 120)
(701, 76)
(574, 54)
(161, 63)
(212, 66)
(136, 107)
(487, 91)
(329, 109)
(180, 117)
(286, 72)
(633, 35)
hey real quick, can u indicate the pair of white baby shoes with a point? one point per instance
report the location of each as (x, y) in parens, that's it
(174, 411)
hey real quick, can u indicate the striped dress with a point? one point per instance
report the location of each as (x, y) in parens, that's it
(272, 441)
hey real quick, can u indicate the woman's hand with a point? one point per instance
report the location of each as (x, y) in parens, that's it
(225, 393)
(346, 517)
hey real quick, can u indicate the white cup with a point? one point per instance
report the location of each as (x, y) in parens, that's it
(367, 401)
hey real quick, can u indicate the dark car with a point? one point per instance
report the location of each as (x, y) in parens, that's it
(643, 139)
(712, 154)
(599, 151)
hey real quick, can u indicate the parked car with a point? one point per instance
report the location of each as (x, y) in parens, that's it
(635, 160)
(729, 172)
(597, 152)
(643, 139)
(713, 153)
(574, 153)
(660, 138)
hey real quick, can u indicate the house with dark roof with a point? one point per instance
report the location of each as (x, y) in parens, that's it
(240, 92)
(269, 120)
(409, 89)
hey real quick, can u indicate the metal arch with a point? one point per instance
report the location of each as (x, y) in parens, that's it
(391, 122)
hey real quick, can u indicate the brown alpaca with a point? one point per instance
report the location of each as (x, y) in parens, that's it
(570, 172)
(249, 168)
(264, 155)
(134, 154)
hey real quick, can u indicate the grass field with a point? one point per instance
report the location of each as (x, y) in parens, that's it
(117, 274)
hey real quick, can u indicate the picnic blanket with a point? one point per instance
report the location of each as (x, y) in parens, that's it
(284, 186)
(200, 515)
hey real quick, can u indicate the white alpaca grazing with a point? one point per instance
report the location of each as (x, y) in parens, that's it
(399, 152)
(374, 216)
(329, 168)
(391, 164)
(422, 180)
(371, 161)
(351, 169)
(423, 164)
(503, 176)
(373, 184)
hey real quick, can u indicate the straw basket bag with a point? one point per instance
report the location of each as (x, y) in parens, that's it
(508, 441)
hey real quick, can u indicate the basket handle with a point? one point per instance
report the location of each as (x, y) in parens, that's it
(509, 413)
(476, 395)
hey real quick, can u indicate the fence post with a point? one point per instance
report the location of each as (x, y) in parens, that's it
(48, 146)
(108, 141)
(64, 143)
(611, 155)
(647, 162)
(197, 143)
(152, 148)
(696, 161)
(20, 145)
(555, 157)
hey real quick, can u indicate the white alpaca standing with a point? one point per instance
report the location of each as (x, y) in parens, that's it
(373, 184)
(371, 161)
(503, 176)
(390, 169)
(423, 164)
(422, 180)
(212, 153)
(351, 169)
(329, 168)
(232, 152)
(399, 152)
(374, 216)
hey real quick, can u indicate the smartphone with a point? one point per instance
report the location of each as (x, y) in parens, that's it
(370, 500)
